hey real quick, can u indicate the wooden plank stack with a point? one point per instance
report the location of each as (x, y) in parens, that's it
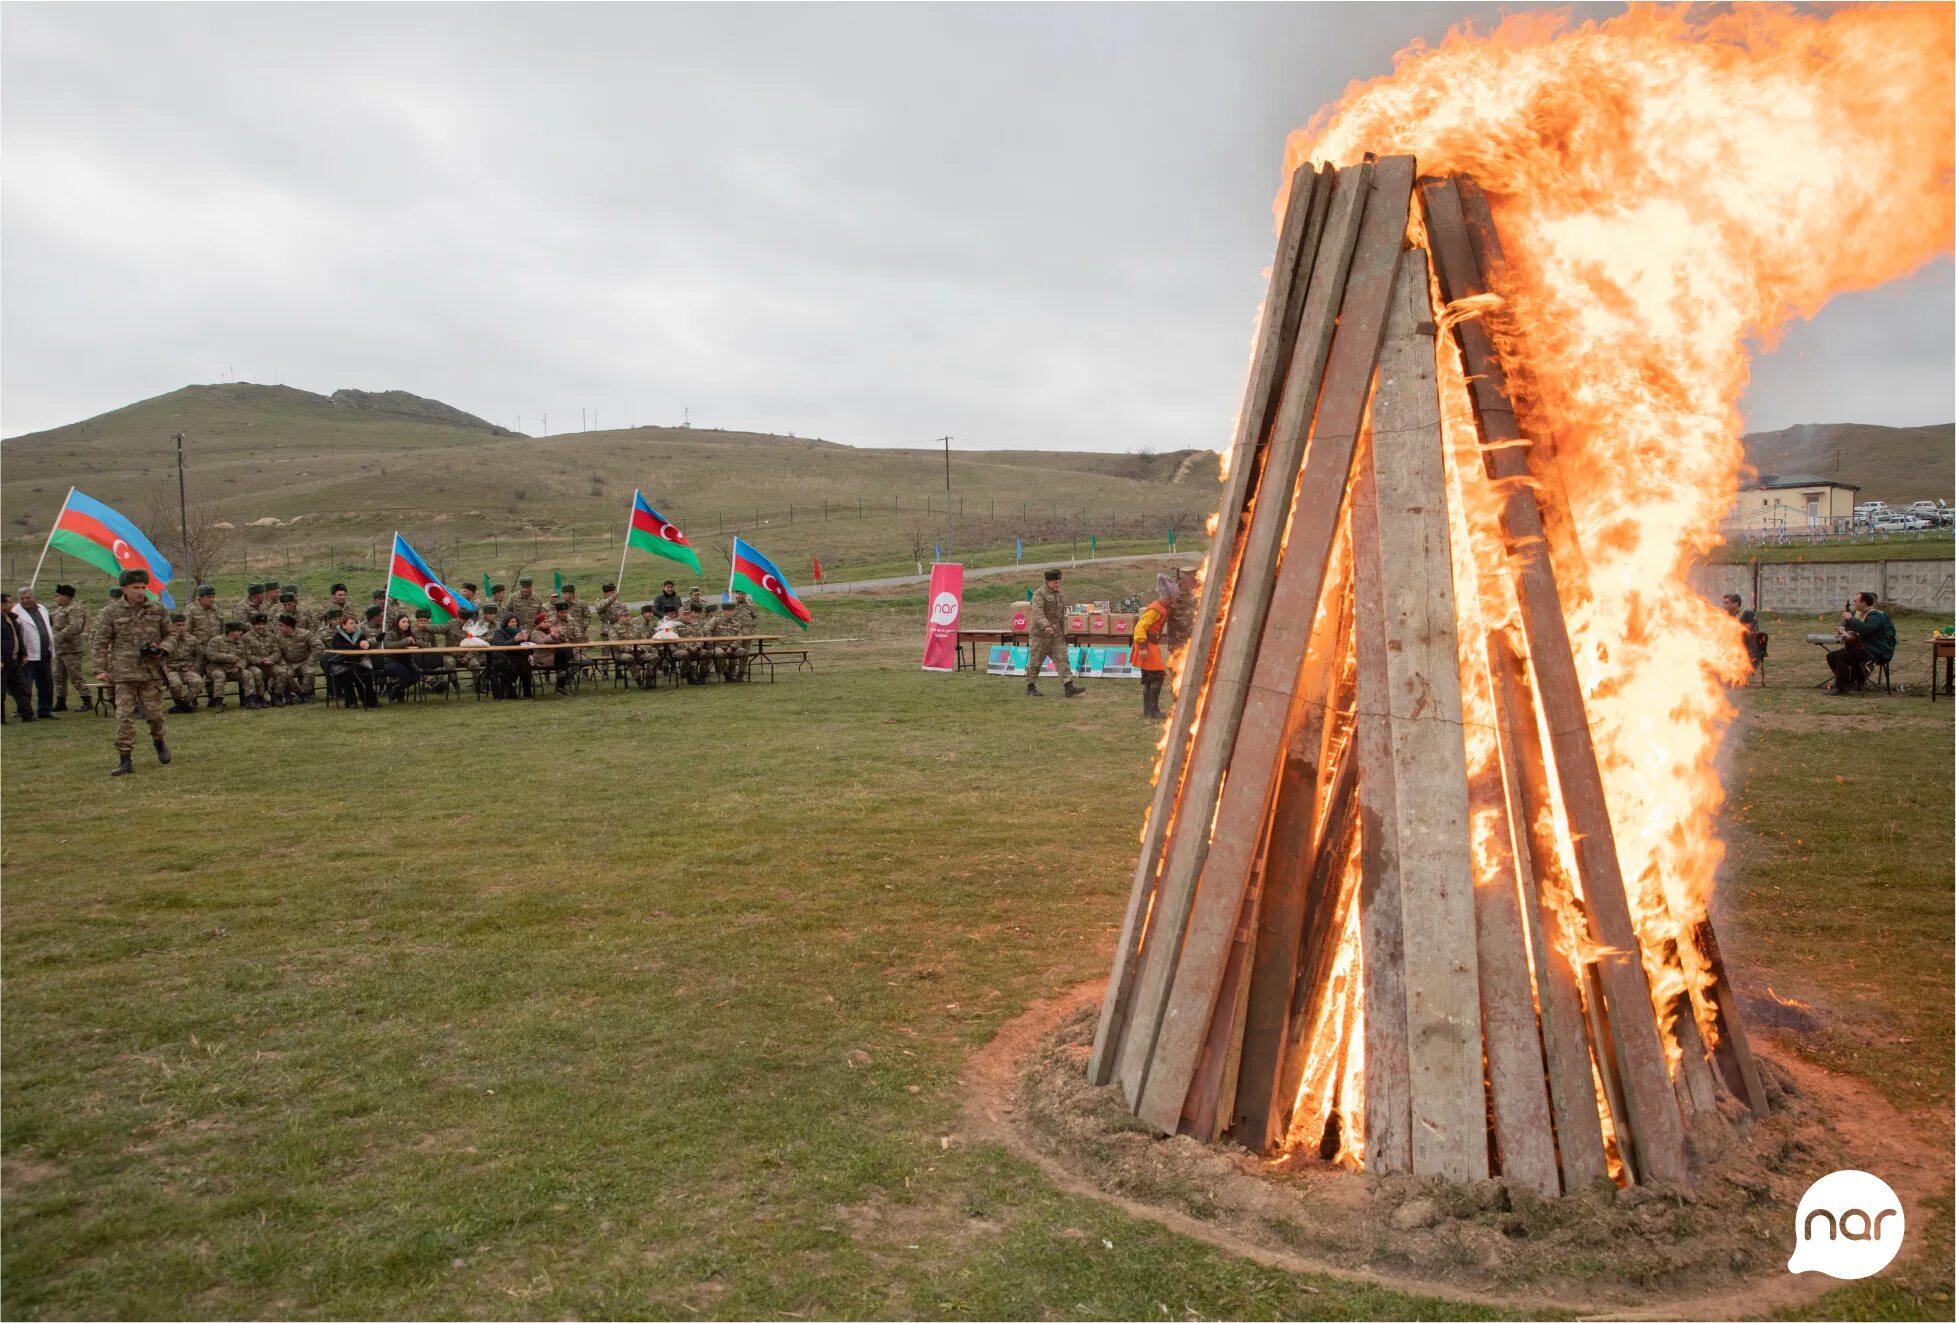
(1326, 947)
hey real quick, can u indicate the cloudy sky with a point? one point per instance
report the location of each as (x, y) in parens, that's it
(1026, 226)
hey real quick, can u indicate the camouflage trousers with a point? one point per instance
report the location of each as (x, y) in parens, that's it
(127, 694)
(219, 674)
(289, 679)
(1041, 646)
(185, 683)
(68, 670)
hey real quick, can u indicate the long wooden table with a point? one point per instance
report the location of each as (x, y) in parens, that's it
(760, 653)
(984, 638)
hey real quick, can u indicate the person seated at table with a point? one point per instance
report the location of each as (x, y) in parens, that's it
(353, 677)
(401, 671)
(427, 636)
(544, 632)
(1755, 642)
(1866, 635)
(510, 670)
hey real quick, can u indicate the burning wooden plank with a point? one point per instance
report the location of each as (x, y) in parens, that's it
(1227, 687)
(1646, 1077)
(1283, 306)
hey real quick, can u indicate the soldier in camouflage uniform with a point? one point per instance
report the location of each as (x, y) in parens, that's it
(260, 648)
(224, 661)
(574, 616)
(335, 609)
(302, 615)
(1046, 637)
(183, 669)
(70, 621)
(526, 604)
(427, 634)
(689, 662)
(205, 621)
(131, 642)
(725, 657)
(697, 605)
(372, 626)
(746, 621)
(613, 614)
(295, 653)
(250, 604)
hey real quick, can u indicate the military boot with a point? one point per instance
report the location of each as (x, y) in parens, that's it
(124, 768)
(1073, 690)
(217, 702)
(1033, 690)
(60, 704)
(162, 752)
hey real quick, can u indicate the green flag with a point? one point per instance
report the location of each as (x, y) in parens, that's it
(556, 583)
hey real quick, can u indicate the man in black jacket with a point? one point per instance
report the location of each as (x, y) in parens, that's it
(12, 652)
(667, 602)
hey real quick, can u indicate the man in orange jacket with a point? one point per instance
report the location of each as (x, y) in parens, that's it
(1147, 652)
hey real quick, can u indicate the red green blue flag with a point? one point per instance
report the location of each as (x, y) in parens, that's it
(98, 535)
(756, 575)
(653, 532)
(412, 583)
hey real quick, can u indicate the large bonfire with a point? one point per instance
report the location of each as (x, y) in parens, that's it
(1624, 210)
(1671, 190)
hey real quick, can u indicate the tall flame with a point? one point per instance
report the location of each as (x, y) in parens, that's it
(1670, 186)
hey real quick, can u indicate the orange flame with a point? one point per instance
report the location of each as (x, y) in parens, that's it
(1670, 185)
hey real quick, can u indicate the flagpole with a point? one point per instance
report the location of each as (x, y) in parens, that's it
(730, 569)
(50, 542)
(626, 550)
(387, 588)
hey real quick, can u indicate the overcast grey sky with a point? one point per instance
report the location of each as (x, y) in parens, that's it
(1027, 226)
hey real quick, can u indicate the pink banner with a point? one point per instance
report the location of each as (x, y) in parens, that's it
(946, 607)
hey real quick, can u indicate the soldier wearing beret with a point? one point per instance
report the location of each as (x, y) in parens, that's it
(69, 620)
(183, 669)
(296, 649)
(526, 604)
(130, 646)
(224, 662)
(261, 658)
(205, 620)
(613, 615)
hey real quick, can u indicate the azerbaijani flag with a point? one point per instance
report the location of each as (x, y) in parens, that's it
(411, 582)
(756, 575)
(653, 532)
(92, 532)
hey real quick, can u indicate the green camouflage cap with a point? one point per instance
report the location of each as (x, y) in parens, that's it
(133, 576)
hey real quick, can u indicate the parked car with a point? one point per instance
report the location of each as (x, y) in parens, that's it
(1896, 522)
(1936, 512)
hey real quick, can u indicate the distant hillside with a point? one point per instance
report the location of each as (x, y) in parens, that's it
(297, 470)
(403, 405)
(1894, 464)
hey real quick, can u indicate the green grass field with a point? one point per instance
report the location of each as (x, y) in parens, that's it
(654, 1003)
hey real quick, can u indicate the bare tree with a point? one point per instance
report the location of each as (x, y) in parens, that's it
(194, 543)
(921, 535)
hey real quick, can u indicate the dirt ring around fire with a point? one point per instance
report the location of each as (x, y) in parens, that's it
(1715, 1250)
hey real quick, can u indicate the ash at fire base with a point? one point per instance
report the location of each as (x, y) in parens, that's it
(1720, 1243)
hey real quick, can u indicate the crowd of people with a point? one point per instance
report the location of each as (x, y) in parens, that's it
(274, 645)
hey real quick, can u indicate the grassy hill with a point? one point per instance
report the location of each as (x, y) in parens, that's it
(1894, 464)
(305, 477)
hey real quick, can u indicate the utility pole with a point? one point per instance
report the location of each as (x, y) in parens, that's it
(183, 506)
(947, 493)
